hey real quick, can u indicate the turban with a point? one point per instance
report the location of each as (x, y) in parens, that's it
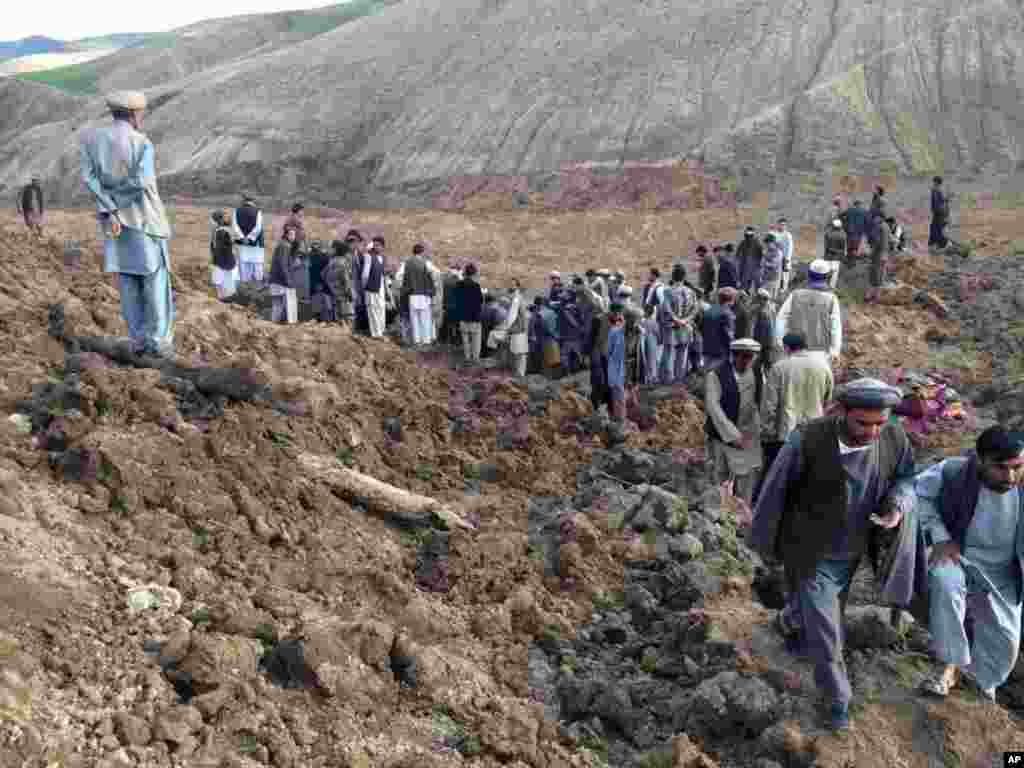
(129, 100)
(869, 393)
(745, 345)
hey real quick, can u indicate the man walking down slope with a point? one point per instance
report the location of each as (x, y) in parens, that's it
(117, 166)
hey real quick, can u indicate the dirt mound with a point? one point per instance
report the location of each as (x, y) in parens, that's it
(182, 585)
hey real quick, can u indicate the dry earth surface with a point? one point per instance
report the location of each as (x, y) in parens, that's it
(223, 512)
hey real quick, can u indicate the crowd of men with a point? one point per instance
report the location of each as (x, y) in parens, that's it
(831, 488)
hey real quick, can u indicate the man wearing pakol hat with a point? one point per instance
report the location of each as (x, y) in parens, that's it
(416, 290)
(837, 482)
(971, 516)
(118, 168)
(247, 226)
(813, 312)
(30, 206)
(795, 392)
(732, 402)
(614, 283)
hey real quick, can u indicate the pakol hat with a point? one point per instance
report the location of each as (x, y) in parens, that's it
(837, 223)
(869, 393)
(604, 272)
(625, 290)
(129, 100)
(555, 273)
(745, 345)
(820, 267)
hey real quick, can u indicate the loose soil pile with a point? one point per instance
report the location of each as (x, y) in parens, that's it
(166, 553)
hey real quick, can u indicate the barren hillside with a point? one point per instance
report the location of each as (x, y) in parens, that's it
(392, 105)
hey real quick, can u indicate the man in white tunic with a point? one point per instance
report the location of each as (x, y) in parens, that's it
(247, 228)
(118, 168)
(970, 516)
(732, 401)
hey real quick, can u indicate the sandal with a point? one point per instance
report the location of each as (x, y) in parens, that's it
(941, 684)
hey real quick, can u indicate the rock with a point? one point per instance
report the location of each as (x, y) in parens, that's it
(785, 742)
(729, 704)
(209, 704)
(175, 648)
(615, 708)
(869, 627)
(934, 304)
(629, 465)
(214, 659)
(661, 506)
(685, 548)
(131, 730)
(643, 519)
(177, 724)
(642, 605)
(684, 586)
(685, 754)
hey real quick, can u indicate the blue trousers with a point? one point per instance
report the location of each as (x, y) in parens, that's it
(937, 233)
(147, 305)
(821, 599)
(956, 593)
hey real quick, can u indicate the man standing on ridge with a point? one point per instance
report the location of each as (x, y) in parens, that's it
(940, 216)
(247, 226)
(30, 206)
(118, 168)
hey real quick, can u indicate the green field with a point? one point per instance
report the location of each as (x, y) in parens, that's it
(76, 78)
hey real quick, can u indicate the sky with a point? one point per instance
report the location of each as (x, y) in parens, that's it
(70, 20)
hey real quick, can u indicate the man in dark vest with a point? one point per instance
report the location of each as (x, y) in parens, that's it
(835, 483)
(718, 328)
(374, 287)
(969, 512)
(418, 291)
(940, 216)
(728, 272)
(30, 205)
(732, 402)
(749, 256)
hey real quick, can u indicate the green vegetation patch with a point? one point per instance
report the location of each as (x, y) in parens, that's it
(74, 78)
(853, 88)
(926, 156)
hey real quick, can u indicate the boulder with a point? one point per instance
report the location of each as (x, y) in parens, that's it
(214, 659)
(729, 703)
(684, 586)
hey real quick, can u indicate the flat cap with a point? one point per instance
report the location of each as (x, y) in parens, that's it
(820, 267)
(745, 345)
(869, 393)
(129, 100)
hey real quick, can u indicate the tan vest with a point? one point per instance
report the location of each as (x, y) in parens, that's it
(809, 314)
